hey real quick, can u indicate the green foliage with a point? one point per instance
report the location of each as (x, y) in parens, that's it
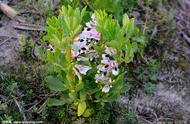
(115, 7)
(63, 29)
(81, 108)
(80, 92)
(55, 102)
(73, 3)
(21, 86)
(8, 85)
(145, 75)
(112, 6)
(42, 7)
(26, 47)
(6, 118)
(54, 84)
(131, 117)
(149, 87)
(107, 26)
(126, 38)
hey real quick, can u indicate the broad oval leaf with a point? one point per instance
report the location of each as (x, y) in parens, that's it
(88, 113)
(55, 102)
(81, 108)
(54, 84)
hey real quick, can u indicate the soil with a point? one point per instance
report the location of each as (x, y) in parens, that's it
(9, 45)
(170, 102)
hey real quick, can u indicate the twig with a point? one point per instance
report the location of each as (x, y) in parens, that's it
(7, 10)
(155, 31)
(41, 101)
(5, 41)
(20, 109)
(187, 39)
(30, 27)
(147, 121)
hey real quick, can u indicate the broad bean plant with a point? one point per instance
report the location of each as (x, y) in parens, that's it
(84, 59)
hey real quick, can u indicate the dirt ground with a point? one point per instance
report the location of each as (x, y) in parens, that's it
(170, 102)
(9, 44)
(171, 99)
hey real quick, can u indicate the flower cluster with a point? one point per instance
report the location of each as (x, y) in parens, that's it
(107, 68)
(83, 50)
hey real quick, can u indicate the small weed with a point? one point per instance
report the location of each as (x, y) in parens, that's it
(26, 48)
(6, 117)
(149, 87)
(144, 75)
(131, 117)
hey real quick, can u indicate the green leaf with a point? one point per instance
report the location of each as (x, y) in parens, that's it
(55, 102)
(113, 43)
(119, 82)
(88, 112)
(106, 25)
(126, 87)
(125, 19)
(81, 108)
(83, 94)
(62, 29)
(112, 6)
(113, 96)
(54, 84)
(79, 86)
(149, 87)
(153, 77)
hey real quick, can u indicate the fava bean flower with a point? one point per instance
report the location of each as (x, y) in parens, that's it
(83, 52)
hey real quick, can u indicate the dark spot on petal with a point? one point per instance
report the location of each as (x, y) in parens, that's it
(38, 43)
(82, 53)
(105, 73)
(106, 66)
(88, 29)
(107, 55)
(83, 48)
(81, 40)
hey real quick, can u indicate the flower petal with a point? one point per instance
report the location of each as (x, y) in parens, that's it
(91, 34)
(106, 88)
(110, 51)
(115, 71)
(81, 58)
(82, 68)
(77, 73)
(103, 68)
(101, 77)
(112, 63)
(74, 53)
